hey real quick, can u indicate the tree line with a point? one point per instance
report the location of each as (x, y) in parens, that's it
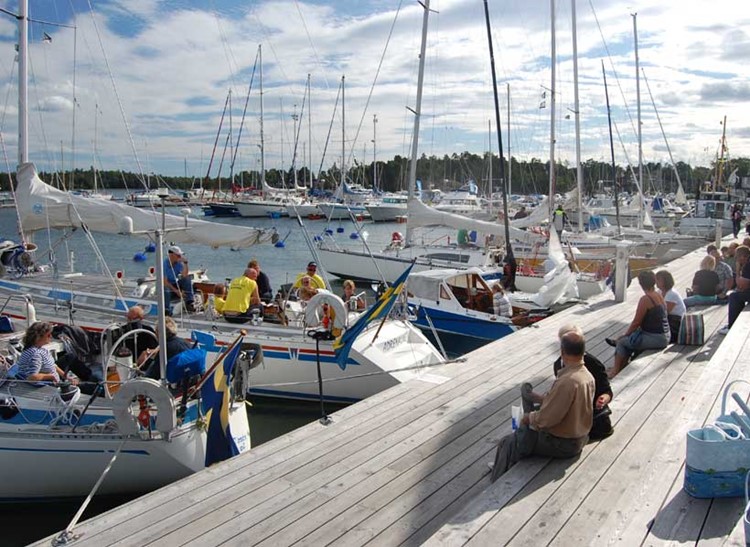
(445, 173)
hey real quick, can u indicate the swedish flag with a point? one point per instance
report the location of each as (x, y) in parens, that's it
(382, 307)
(215, 403)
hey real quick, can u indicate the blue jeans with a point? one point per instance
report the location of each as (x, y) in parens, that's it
(639, 341)
(185, 284)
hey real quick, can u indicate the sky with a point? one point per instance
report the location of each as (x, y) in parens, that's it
(150, 78)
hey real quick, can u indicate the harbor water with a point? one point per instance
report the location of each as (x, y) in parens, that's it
(23, 523)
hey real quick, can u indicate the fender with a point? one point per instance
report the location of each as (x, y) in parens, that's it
(314, 309)
(166, 418)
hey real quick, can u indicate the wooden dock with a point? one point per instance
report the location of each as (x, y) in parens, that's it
(409, 465)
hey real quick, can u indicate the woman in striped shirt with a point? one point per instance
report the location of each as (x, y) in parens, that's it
(36, 362)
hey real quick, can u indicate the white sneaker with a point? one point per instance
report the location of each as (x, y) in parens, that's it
(724, 330)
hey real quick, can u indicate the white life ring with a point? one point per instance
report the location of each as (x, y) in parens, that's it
(314, 309)
(166, 419)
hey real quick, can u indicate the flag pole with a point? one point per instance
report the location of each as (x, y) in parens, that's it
(377, 333)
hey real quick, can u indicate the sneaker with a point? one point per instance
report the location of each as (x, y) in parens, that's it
(611, 342)
(724, 330)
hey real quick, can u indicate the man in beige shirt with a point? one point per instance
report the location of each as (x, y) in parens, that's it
(560, 428)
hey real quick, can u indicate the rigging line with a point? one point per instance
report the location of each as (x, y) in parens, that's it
(614, 71)
(7, 93)
(128, 130)
(12, 188)
(39, 109)
(232, 63)
(374, 81)
(244, 110)
(330, 129)
(312, 45)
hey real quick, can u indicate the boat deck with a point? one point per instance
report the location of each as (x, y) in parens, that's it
(409, 466)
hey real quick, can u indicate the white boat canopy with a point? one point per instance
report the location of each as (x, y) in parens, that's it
(40, 206)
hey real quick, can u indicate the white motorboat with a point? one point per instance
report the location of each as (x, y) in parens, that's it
(389, 208)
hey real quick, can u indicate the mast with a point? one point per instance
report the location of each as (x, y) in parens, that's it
(612, 153)
(553, 57)
(262, 136)
(375, 151)
(510, 259)
(309, 129)
(417, 114)
(343, 129)
(640, 129)
(577, 113)
(680, 199)
(489, 147)
(720, 164)
(510, 157)
(23, 77)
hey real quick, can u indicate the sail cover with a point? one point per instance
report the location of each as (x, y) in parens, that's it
(421, 215)
(41, 206)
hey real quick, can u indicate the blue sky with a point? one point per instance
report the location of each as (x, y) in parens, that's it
(173, 62)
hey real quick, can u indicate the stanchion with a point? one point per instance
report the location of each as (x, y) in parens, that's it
(318, 335)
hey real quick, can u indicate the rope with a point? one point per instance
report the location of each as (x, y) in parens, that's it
(66, 536)
(374, 81)
(129, 132)
(366, 374)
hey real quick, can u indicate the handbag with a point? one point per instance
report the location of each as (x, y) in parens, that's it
(718, 456)
(691, 330)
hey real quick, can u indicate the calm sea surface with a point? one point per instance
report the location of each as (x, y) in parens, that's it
(22, 524)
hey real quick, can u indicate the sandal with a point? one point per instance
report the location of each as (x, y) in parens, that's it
(611, 342)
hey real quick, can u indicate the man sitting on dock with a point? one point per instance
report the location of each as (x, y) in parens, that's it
(602, 426)
(560, 428)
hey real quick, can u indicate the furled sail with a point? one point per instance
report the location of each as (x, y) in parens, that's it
(41, 206)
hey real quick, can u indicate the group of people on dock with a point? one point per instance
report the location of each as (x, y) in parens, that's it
(559, 423)
(723, 278)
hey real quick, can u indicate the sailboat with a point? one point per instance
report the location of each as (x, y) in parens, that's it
(62, 443)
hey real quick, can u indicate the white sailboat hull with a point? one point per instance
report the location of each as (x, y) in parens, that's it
(258, 209)
(386, 213)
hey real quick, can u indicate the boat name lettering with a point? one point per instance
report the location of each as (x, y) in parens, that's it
(388, 345)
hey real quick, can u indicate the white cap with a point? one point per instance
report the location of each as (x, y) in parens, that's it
(174, 249)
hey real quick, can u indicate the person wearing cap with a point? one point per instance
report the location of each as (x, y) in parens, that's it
(178, 284)
(242, 297)
(317, 281)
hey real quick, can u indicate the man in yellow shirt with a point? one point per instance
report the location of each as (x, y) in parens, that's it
(317, 281)
(242, 297)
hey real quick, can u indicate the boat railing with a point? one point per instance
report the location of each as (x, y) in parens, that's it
(25, 299)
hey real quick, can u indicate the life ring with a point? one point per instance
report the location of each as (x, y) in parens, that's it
(166, 418)
(314, 310)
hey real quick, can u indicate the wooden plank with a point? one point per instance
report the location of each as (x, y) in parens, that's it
(632, 405)
(389, 442)
(396, 419)
(403, 437)
(639, 476)
(415, 524)
(678, 517)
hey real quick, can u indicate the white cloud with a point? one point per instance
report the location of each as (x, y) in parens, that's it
(174, 65)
